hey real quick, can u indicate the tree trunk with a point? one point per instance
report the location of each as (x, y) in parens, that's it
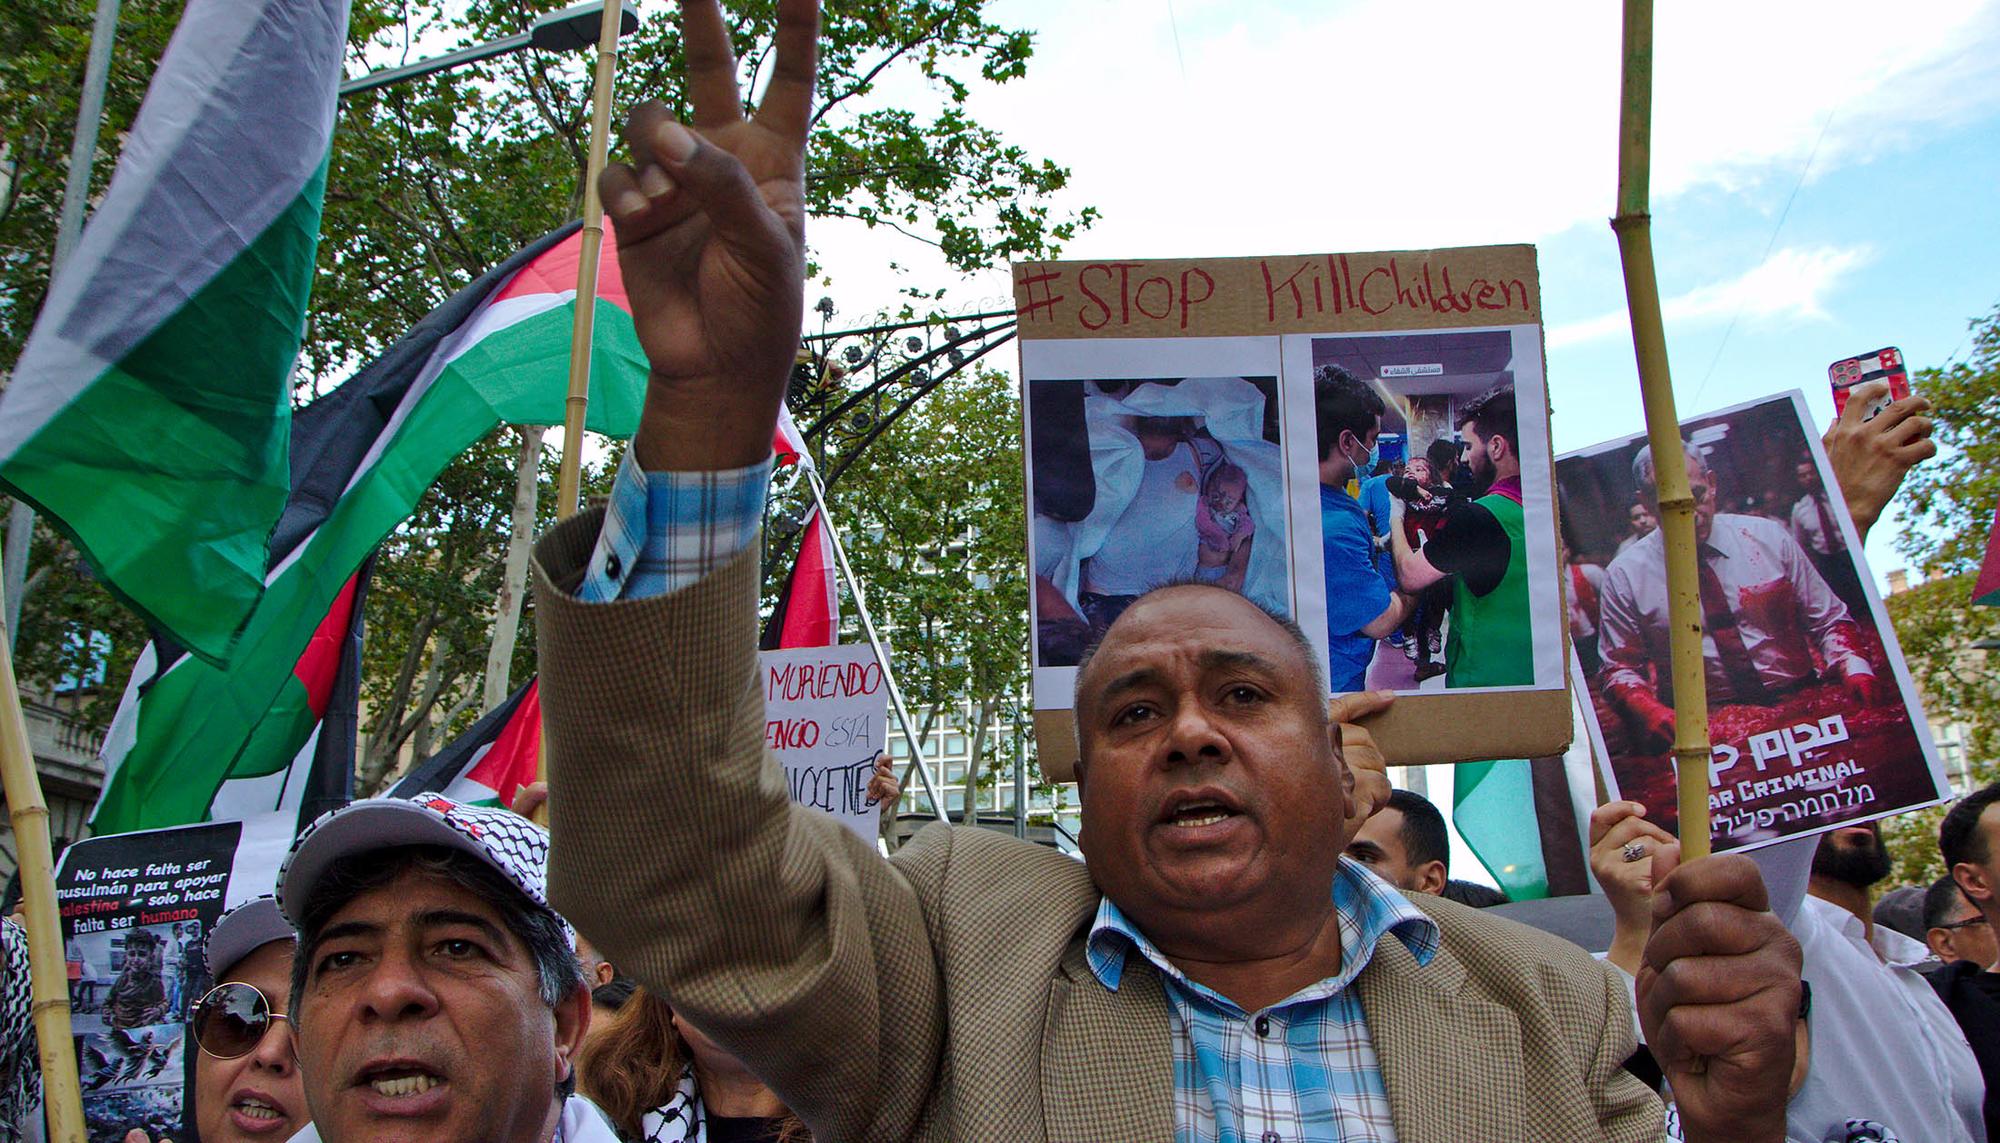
(417, 728)
(378, 757)
(973, 768)
(20, 538)
(513, 588)
(910, 783)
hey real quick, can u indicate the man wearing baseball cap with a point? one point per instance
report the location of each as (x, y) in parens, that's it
(435, 995)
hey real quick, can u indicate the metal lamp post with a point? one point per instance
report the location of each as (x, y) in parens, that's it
(572, 28)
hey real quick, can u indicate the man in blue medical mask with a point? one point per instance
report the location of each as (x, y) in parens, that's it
(1361, 605)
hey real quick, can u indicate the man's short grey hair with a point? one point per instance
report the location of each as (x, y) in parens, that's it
(1285, 623)
(557, 973)
(1644, 475)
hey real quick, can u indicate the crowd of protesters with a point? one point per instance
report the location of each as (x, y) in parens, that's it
(1261, 944)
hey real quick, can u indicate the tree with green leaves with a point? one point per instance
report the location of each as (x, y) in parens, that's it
(1948, 506)
(436, 180)
(933, 512)
(433, 182)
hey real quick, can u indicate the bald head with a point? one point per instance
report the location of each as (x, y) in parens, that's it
(1215, 798)
(1646, 475)
(1264, 635)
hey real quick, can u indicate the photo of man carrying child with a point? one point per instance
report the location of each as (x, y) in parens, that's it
(1138, 484)
(1423, 526)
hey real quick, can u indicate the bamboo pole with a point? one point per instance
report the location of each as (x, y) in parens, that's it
(48, 980)
(1633, 225)
(569, 478)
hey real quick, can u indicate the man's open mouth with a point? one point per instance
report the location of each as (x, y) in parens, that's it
(1196, 814)
(401, 1081)
(1194, 809)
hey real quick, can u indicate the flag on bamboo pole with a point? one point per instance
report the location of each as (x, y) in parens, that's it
(296, 757)
(361, 457)
(789, 444)
(808, 609)
(491, 761)
(147, 416)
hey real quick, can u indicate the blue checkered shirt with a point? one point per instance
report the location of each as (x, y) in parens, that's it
(665, 530)
(1302, 1069)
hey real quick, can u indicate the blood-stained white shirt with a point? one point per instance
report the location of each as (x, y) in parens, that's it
(1784, 610)
(1806, 521)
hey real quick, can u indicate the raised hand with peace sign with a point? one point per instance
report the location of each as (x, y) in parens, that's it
(711, 240)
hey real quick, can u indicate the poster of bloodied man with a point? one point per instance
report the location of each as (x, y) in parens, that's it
(1813, 716)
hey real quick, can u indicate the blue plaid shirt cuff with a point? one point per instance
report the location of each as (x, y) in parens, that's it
(665, 530)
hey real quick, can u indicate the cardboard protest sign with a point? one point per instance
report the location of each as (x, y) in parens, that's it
(135, 908)
(1814, 719)
(825, 712)
(1212, 420)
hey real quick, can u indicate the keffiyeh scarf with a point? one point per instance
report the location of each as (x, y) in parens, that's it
(679, 1120)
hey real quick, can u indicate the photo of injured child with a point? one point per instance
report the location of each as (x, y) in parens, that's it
(1139, 484)
(1811, 724)
(1429, 538)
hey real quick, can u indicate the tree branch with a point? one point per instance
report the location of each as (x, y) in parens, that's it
(862, 84)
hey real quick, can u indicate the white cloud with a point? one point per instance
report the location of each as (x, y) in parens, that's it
(1790, 285)
(1211, 127)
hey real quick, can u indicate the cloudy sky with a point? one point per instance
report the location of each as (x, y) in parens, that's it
(1826, 175)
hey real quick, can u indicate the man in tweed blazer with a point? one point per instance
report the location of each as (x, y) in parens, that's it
(977, 988)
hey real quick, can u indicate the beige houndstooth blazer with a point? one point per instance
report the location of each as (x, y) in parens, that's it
(943, 994)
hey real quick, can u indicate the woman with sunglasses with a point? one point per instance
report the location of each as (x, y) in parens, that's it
(246, 1079)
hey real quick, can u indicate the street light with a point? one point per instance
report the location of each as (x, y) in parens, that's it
(566, 31)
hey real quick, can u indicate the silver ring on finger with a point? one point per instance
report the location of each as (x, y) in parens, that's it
(1634, 851)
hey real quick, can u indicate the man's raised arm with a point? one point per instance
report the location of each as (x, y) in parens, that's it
(679, 852)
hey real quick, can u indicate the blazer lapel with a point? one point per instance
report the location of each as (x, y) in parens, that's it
(1450, 1061)
(1107, 1060)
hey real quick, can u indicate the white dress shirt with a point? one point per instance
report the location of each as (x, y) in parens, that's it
(1784, 610)
(1806, 521)
(1884, 1047)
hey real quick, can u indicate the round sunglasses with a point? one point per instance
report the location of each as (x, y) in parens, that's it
(231, 1019)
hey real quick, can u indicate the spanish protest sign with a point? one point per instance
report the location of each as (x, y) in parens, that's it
(1814, 719)
(825, 711)
(135, 907)
(1359, 442)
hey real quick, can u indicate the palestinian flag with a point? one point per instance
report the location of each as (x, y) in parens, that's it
(489, 763)
(1519, 819)
(148, 415)
(361, 457)
(297, 760)
(789, 444)
(1986, 590)
(808, 609)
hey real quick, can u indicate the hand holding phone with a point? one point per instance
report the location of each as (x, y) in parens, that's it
(1882, 364)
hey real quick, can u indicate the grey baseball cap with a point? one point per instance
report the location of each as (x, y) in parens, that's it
(242, 931)
(510, 844)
